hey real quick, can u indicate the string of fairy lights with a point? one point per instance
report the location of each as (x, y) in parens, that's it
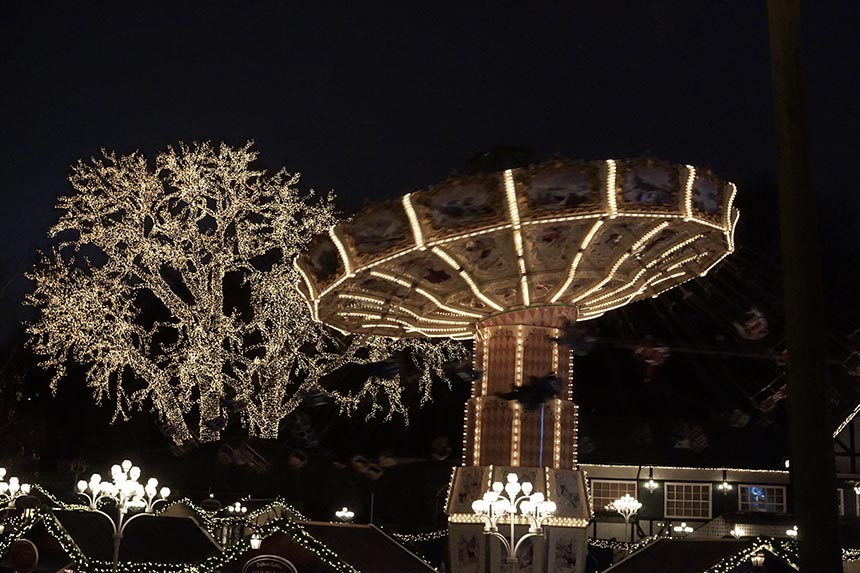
(177, 234)
(283, 518)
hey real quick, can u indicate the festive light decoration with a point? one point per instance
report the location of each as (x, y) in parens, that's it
(505, 501)
(237, 508)
(626, 506)
(683, 528)
(792, 532)
(11, 489)
(345, 515)
(737, 532)
(180, 282)
(127, 493)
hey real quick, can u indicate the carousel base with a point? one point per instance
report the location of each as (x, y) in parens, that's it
(562, 547)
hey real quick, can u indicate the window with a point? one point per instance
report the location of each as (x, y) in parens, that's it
(604, 492)
(688, 500)
(840, 499)
(769, 498)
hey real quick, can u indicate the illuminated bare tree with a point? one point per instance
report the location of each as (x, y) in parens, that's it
(175, 288)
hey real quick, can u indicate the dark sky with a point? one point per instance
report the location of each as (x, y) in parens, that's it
(374, 101)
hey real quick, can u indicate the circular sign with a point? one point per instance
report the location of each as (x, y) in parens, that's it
(269, 564)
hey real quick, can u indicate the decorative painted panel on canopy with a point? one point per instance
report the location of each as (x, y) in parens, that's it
(591, 234)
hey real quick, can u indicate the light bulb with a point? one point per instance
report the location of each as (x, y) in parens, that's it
(498, 487)
(165, 492)
(126, 465)
(82, 486)
(512, 478)
(527, 487)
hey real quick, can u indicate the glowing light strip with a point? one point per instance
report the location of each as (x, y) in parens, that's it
(644, 239)
(557, 436)
(674, 248)
(486, 231)
(438, 303)
(548, 220)
(391, 278)
(361, 315)
(730, 236)
(431, 320)
(313, 306)
(576, 259)
(372, 325)
(610, 188)
(485, 388)
(413, 222)
(344, 256)
(332, 286)
(730, 204)
(476, 447)
(511, 195)
(670, 277)
(575, 448)
(705, 469)
(715, 263)
(514, 214)
(363, 298)
(466, 278)
(518, 376)
(688, 192)
(515, 440)
(605, 280)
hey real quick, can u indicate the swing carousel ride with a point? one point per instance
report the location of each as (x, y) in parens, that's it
(514, 260)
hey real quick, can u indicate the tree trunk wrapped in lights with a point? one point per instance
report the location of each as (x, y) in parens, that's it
(175, 288)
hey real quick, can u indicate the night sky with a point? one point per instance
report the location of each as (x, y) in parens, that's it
(374, 101)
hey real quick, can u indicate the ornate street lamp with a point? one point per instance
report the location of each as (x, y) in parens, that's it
(345, 515)
(757, 560)
(683, 528)
(126, 493)
(256, 540)
(627, 506)
(11, 490)
(737, 532)
(504, 500)
(651, 485)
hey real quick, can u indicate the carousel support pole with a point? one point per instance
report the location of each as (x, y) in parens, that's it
(810, 427)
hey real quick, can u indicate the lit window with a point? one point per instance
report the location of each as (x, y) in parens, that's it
(769, 498)
(688, 500)
(604, 492)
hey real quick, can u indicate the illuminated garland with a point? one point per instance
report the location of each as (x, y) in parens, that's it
(785, 550)
(420, 537)
(175, 235)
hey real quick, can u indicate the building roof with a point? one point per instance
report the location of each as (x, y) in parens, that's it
(161, 539)
(691, 555)
(367, 548)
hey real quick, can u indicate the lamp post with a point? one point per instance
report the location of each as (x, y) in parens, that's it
(627, 507)
(345, 515)
(12, 489)
(127, 493)
(505, 500)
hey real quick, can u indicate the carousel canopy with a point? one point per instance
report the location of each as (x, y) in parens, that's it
(590, 235)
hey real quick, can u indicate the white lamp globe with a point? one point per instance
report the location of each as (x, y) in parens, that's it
(152, 481)
(479, 506)
(165, 492)
(527, 487)
(115, 469)
(95, 478)
(2, 473)
(134, 473)
(82, 486)
(527, 507)
(512, 488)
(4, 487)
(498, 487)
(512, 478)
(25, 488)
(126, 465)
(537, 497)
